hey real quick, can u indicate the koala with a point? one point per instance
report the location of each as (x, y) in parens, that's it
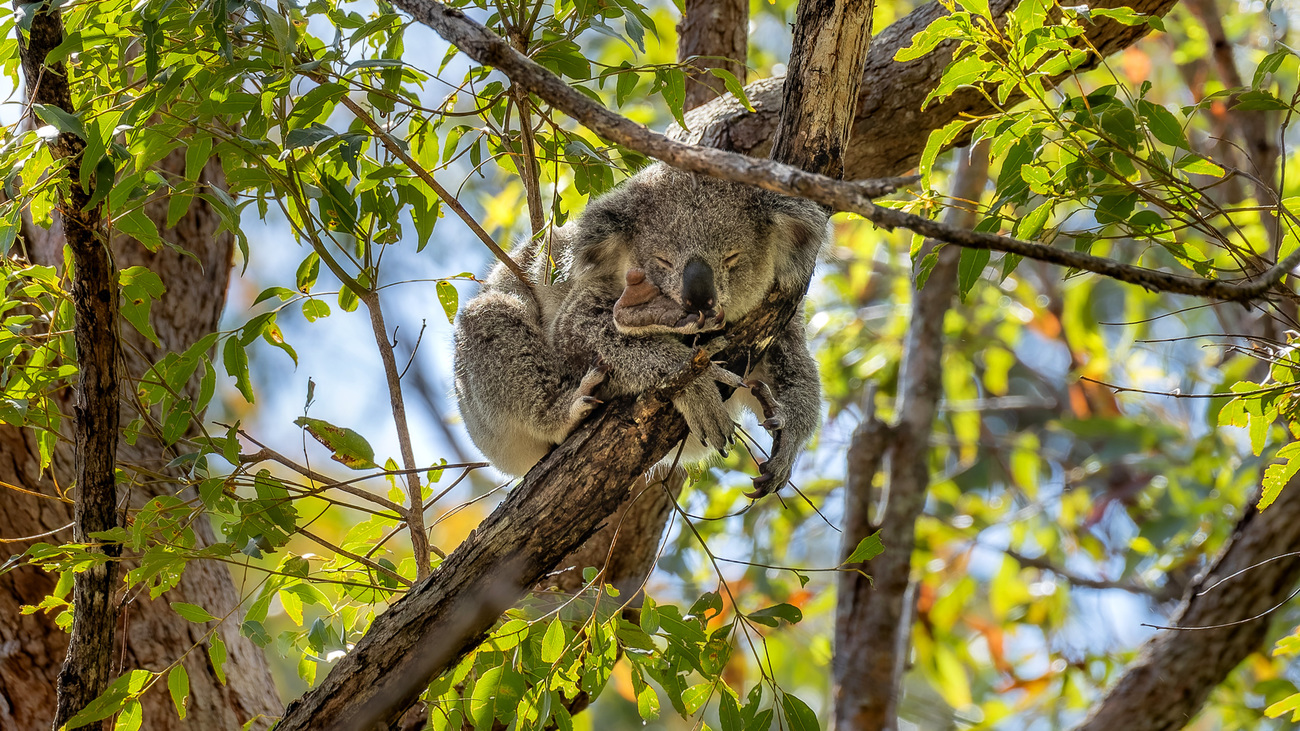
(650, 269)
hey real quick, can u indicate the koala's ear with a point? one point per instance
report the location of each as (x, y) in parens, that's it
(800, 230)
(604, 234)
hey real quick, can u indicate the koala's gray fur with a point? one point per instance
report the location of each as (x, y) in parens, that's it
(529, 369)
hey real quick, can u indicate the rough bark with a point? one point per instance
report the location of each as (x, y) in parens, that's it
(712, 34)
(1167, 685)
(889, 128)
(873, 625)
(829, 48)
(87, 666)
(149, 633)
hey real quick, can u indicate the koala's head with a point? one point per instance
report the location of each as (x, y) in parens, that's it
(708, 244)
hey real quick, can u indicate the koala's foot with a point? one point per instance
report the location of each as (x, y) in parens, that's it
(584, 398)
(773, 473)
(773, 415)
(644, 309)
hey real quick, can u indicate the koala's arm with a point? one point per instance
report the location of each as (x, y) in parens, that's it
(790, 371)
(584, 329)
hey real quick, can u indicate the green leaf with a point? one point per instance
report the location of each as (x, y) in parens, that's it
(1290, 703)
(797, 714)
(1163, 124)
(349, 447)
(449, 299)
(788, 612)
(553, 642)
(496, 695)
(696, 696)
(192, 612)
(1198, 165)
(140, 287)
(130, 718)
(946, 28)
(729, 713)
(627, 81)
(112, 700)
(1271, 63)
(178, 684)
(59, 119)
(734, 86)
(347, 299)
(235, 360)
(308, 271)
(867, 549)
(1277, 476)
(970, 268)
(314, 309)
(217, 654)
(934, 144)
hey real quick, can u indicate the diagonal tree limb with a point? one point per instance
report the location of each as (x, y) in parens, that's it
(1215, 628)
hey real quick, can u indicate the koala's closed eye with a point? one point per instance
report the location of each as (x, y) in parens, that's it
(663, 261)
(731, 260)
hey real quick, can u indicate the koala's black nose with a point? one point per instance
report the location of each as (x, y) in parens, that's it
(698, 293)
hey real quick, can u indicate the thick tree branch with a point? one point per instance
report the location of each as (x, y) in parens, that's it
(88, 665)
(889, 128)
(1167, 685)
(829, 47)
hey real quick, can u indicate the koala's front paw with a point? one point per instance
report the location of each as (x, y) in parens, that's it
(644, 309)
(706, 415)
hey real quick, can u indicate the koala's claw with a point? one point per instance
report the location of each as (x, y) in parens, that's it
(771, 478)
(776, 423)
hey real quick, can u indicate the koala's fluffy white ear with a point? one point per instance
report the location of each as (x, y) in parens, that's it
(801, 230)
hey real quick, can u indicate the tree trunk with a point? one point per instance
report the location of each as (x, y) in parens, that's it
(149, 634)
(873, 618)
(717, 31)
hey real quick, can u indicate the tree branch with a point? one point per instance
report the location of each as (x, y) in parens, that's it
(87, 667)
(1167, 685)
(856, 197)
(890, 128)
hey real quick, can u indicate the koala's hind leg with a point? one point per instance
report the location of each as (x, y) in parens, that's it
(518, 397)
(794, 402)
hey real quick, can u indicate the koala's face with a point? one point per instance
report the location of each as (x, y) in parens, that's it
(709, 245)
(708, 253)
